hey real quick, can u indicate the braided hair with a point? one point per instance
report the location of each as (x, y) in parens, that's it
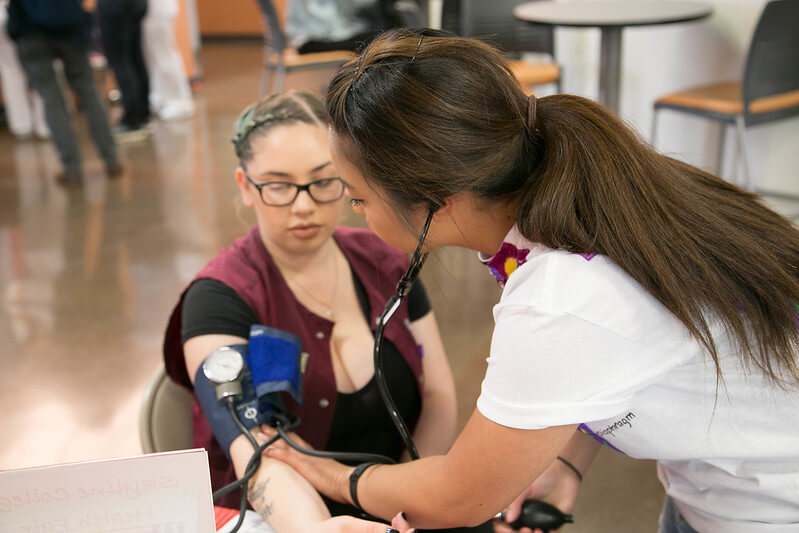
(277, 109)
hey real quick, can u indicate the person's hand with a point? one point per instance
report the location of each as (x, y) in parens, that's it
(557, 485)
(329, 477)
(350, 524)
(400, 524)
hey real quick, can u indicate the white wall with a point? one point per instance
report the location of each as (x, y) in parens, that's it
(660, 59)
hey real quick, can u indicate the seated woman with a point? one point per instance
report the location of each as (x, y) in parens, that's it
(298, 272)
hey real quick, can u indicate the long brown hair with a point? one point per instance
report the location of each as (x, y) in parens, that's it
(427, 115)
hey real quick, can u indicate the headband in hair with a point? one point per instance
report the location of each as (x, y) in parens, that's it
(531, 111)
(251, 124)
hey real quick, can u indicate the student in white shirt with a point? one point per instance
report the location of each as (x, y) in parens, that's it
(647, 304)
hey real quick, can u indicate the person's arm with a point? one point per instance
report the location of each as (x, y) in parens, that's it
(488, 466)
(281, 496)
(435, 429)
(559, 484)
(581, 451)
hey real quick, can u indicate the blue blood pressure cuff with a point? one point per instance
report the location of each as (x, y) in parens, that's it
(251, 409)
(275, 360)
(273, 364)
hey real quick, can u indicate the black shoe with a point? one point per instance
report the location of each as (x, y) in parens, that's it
(115, 170)
(69, 179)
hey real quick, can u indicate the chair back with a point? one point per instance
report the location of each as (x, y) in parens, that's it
(495, 20)
(274, 37)
(772, 63)
(165, 419)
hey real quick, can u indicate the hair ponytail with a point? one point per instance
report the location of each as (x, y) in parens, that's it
(429, 118)
(704, 248)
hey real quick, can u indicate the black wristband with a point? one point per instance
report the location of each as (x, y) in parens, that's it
(571, 467)
(354, 477)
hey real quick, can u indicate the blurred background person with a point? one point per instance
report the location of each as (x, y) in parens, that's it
(120, 23)
(45, 31)
(170, 94)
(323, 25)
(24, 109)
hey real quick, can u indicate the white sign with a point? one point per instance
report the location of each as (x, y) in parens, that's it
(157, 493)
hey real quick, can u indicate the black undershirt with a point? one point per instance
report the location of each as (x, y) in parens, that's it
(212, 308)
(360, 421)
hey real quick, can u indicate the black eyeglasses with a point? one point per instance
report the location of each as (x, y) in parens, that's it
(282, 193)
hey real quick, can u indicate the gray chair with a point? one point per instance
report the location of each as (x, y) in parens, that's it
(495, 21)
(165, 420)
(768, 92)
(279, 58)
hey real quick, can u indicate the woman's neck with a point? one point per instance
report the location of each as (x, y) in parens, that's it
(480, 227)
(301, 264)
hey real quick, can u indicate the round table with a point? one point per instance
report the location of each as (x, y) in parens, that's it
(611, 17)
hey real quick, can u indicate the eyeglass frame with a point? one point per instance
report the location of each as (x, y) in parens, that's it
(297, 189)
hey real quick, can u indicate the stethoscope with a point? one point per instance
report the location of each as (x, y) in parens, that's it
(403, 286)
(535, 514)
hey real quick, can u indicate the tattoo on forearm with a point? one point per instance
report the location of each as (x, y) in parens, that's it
(258, 499)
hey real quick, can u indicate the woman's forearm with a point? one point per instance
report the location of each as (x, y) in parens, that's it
(418, 489)
(435, 429)
(280, 495)
(486, 468)
(581, 451)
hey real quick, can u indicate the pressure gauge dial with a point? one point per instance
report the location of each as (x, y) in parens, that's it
(224, 368)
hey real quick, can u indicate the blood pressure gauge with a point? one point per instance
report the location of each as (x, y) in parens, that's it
(223, 368)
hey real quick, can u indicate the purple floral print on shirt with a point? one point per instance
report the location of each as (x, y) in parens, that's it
(503, 263)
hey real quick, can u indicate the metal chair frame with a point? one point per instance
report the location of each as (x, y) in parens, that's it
(275, 47)
(166, 404)
(772, 68)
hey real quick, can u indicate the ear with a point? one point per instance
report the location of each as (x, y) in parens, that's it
(450, 206)
(249, 194)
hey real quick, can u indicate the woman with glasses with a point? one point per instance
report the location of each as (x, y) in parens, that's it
(298, 271)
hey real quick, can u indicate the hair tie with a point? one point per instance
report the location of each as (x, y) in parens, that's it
(531, 111)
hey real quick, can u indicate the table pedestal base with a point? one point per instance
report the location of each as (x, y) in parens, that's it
(610, 67)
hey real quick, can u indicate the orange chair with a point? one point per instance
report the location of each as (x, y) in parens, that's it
(495, 21)
(768, 92)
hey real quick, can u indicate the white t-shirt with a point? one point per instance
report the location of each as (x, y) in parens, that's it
(578, 341)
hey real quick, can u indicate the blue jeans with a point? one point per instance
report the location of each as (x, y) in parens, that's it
(672, 521)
